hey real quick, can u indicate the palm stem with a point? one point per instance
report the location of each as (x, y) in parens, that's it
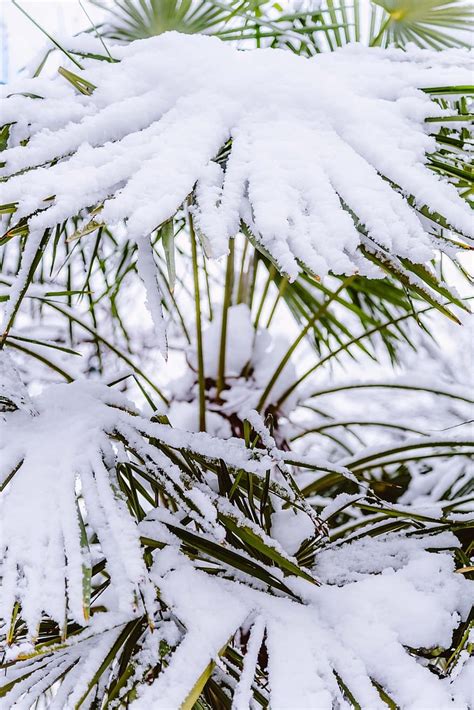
(229, 283)
(200, 353)
(243, 276)
(270, 278)
(281, 289)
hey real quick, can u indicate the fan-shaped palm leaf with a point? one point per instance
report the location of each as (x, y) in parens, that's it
(426, 23)
(128, 20)
(362, 218)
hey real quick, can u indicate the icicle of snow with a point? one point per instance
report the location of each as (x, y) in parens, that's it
(243, 691)
(147, 270)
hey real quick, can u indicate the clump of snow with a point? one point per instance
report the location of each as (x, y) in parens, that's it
(185, 415)
(239, 342)
(350, 562)
(13, 393)
(291, 527)
(252, 356)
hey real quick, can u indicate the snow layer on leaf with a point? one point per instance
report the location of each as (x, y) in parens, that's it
(308, 136)
(57, 465)
(404, 596)
(62, 451)
(13, 393)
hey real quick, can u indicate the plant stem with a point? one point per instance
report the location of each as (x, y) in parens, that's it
(208, 288)
(253, 267)
(56, 44)
(229, 283)
(243, 276)
(271, 276)
(27, 280)
(197, 303)
(283, 285)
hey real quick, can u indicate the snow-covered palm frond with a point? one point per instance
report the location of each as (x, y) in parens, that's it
(75, 482)
(48, 475)
(226, 519)
(326, 170)
(342, 642)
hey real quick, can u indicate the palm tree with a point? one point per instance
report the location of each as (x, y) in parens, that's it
(148, 557)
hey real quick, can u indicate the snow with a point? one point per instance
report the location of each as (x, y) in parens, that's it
(303, 143)
(359, 629)
(464, 682)
(252, 355)
(243, 692)
(13, 393)
(239, 342)
(185, 415)
(149, 274)
(291, 528)
(154, 124)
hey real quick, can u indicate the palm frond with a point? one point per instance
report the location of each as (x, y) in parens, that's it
(289, 235)
(435, 24)
(264, 530)
(129, 20)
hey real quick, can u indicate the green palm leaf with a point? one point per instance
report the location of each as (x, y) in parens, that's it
(130, 20)
(427, 23)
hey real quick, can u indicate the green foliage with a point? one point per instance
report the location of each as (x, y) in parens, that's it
(426, 23)
(338, 319)
(131, 20)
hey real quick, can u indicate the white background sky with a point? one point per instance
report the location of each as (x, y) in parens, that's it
(22, 41)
